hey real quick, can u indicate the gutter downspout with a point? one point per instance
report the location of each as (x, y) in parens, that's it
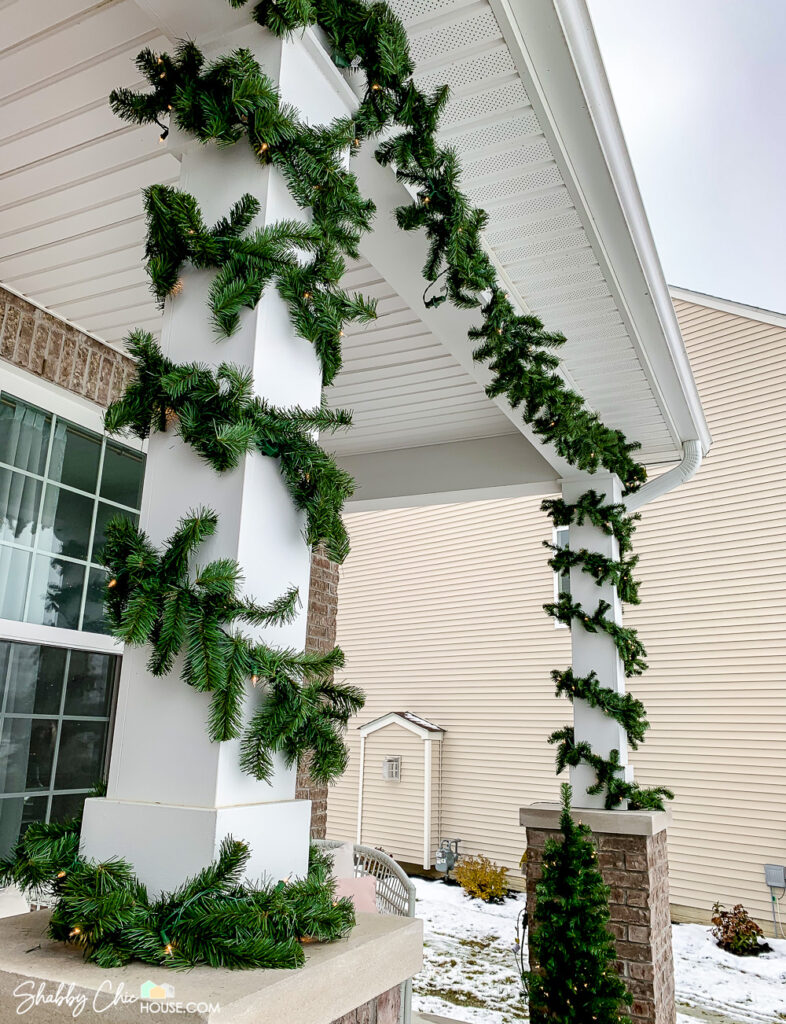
(691, 460)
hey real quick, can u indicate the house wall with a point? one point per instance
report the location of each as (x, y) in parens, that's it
(440, 612)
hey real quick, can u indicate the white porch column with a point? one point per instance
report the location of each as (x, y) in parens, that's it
(173, 795)
(595, 651)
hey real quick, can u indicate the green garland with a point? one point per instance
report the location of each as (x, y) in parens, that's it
(217, 413)
(518, 350)
(614, 521)
(224, 102)
(213, 919)
(155, 598)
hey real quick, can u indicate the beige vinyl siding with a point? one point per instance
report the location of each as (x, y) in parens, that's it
(393, 811)
(440, 613)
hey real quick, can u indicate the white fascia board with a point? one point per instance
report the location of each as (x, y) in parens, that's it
(554, 47)
(393, 718)
(764, 316)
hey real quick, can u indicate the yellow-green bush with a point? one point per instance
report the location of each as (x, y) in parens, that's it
(481, 877)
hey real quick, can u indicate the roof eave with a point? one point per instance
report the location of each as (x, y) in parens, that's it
(557, 55)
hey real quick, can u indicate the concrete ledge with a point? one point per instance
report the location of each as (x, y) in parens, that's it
(616, 823)
(379, 954)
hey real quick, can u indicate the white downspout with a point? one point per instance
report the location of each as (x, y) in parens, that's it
(427, 804)
(688, 467)
(359, 838)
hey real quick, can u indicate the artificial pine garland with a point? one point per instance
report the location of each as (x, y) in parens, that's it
(156, 598)
(230, 99)
(516, 347)
(574, 979)
(217, 413)
(214, 919)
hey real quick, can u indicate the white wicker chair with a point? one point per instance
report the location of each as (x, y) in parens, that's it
(395, 895)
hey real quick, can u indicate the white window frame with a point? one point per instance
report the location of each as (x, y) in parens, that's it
(555, 532)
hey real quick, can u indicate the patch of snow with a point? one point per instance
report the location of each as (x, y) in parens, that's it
(470, 972)
(744, 988)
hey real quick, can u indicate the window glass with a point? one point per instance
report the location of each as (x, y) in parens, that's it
(20, 504)
(121, 480)
(103, 515)
(56, 592)
(81, 750)
(67, 805)
(16, 813)
(14, 574)
(27, 750)
(93, 619)
(34, 678)
(80, 459)
(24, 435)
(59, 486)
(89, 684)
(50, 758)
(66, 522)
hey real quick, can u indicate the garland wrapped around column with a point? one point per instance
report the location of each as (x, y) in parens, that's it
(518, 350)
(156, 598)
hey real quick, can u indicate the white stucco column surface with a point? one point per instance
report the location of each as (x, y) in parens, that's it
(595, 651)
(173, 795)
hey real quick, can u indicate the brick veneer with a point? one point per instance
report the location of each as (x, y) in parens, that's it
(385, 1009)
(39, 342)
(636, 870)
(321, 637)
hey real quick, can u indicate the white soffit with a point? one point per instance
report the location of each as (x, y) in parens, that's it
(72, 230)
(549, 235)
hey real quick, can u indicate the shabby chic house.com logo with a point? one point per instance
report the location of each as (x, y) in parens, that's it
(152, 999)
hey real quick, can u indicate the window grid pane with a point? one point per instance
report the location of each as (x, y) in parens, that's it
(51, 527)
(54, 730)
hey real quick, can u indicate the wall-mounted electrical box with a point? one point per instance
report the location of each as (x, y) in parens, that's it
(775, 876)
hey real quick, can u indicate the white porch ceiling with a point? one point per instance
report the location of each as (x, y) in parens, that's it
(72, 231)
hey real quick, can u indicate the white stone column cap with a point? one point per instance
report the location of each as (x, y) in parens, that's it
(620, 823)
(379, 953)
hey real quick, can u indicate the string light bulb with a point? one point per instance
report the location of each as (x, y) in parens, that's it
(254, 679)
(112, 584)
(74, 932)
(177, 287)
(168, 949)
(61, 874)
(263, 148)
(376, 87)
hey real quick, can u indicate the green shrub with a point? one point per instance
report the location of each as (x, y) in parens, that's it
(481, 877)
(736, 932)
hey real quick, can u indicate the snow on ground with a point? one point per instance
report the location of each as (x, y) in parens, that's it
(470, 972)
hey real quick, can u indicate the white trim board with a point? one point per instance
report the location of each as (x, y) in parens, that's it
(395, 718)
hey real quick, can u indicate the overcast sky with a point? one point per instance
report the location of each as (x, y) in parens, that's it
(700, 87)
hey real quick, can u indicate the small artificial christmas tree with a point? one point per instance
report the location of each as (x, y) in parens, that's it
(574, 980)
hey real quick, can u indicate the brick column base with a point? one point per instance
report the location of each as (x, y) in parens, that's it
(385, 1009)
(633, 860)
(320, 637)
